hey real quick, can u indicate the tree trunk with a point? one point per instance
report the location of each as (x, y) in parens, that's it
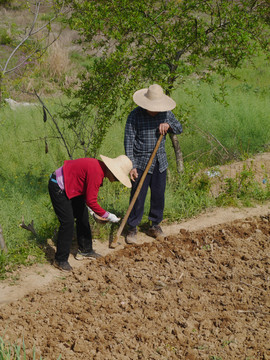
(2, 241)
(178, 153)
(174, 139)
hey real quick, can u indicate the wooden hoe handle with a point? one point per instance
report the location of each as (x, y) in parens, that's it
(123, 223)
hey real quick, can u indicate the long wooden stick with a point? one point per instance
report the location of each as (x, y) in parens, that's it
(123, 223)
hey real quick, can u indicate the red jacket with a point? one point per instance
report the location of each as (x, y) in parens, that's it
(84, 177)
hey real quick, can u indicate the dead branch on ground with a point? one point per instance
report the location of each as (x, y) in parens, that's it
(29, 227)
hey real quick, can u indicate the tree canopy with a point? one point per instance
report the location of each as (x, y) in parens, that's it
(136, 43)
(166, 39)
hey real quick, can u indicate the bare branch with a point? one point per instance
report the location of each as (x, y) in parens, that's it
(49, 21)
(31, 32)
(29, 56)
(56, 125)
(41, 139)
(29, 227)
(223, 147)
(24, 40)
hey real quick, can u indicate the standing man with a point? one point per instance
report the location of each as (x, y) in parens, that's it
(144, 125)
(74, 187)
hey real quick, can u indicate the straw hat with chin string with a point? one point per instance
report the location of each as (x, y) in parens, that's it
(120, 167)
(153, 99)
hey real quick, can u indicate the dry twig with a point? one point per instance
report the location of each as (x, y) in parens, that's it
(29, 227)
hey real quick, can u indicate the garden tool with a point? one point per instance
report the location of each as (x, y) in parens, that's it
(96, 217)
(113, 244)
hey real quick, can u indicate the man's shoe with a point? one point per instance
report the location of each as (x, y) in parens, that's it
(62, 265)
(86, 255)
(131, 237)
(156, 232)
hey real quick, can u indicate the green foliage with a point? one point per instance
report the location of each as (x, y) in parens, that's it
(95, 106)
(81, 60)
(140, 42)
(165, 40)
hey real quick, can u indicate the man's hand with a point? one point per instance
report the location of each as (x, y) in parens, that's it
(133, 174)
(163, 128)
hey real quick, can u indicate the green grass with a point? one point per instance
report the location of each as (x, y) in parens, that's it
(81, 60)
(24, 173)
(242, 127)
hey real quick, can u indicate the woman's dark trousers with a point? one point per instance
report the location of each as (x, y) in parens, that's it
(67, 210)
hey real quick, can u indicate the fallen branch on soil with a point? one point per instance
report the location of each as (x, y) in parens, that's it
(29, 227)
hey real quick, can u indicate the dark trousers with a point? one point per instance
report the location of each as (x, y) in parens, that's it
(67, 210)
(157, 184)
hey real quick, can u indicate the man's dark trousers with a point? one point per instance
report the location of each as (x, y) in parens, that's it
(157, 184)
(67, 210)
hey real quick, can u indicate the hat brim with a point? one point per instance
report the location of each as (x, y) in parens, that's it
(116, 170)
(165, 103)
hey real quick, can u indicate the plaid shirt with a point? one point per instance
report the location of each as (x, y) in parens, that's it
(141, 135)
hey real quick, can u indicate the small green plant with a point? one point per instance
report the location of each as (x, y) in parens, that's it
(15, 351)
(226, 343)
(5, 39)
(206, 247)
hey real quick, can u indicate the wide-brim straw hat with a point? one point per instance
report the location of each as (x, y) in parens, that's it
(120, 167)
(154, 99)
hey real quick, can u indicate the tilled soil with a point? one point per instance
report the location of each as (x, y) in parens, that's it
(198, 295)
